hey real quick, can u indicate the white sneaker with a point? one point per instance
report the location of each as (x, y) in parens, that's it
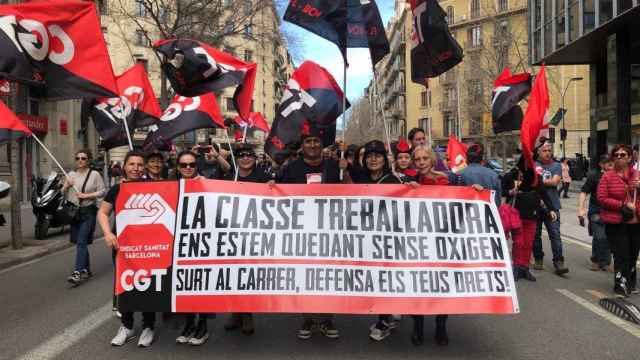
(146, 338)
(123, 336)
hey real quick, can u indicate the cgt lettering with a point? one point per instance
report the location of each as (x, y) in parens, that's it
(141, 280)
(37, 40)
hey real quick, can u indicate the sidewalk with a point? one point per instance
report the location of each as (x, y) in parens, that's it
(57, 240)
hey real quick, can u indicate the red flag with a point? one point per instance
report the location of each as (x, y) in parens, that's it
(457, 153)
(534, 119)
(238, 135)
(58, 45)
(11, 128)
(255, 121)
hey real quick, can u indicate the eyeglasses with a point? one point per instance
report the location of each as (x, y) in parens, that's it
(243, 155)
(620, 155)
(187, 165)
(81, 158)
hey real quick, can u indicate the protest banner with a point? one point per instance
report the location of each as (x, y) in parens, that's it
(215, 246)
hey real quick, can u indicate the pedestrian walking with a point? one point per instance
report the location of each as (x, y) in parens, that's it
(566, 178)
(600, 251)
(477, 174)
(133, 171)
(91, 188)
(617, 196)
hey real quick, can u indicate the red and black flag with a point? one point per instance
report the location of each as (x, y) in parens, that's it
(184, 115)
(57, 45)
(255, 121)
(535, 119)
(346, 23)
(195, 69)
(433, 49)
(508, 91)
(311, 103)
(137, 105)
(11, 127)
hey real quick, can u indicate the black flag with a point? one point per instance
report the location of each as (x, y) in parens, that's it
(433, 49)
(508, 91)
(346, 23)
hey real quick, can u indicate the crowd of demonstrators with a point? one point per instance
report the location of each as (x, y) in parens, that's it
(549, 213)
(618, 200)
(85, 186)
(600, 249)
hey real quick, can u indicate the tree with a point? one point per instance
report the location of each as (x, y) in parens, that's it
(361, 126)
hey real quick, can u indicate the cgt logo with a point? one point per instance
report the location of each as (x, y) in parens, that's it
(146, 209)
(179, 105)
(38, 41)
(119, 109)
(141, 280)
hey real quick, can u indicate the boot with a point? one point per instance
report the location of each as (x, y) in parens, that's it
(517, 273)
(560, 268)
(620, 286)
(526, 274)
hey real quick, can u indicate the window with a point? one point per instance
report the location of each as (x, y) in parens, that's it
(475, 8)
(475, 91)
(141, 38)
(227, 2)
(144, 62)
(425, 99)
(248, 55)
(141, 10)
(248, 30)
(503, 5)
(474, 36)
(230, 105)
(450, 18)
(248, 7)
(424, 124)
(228, 28)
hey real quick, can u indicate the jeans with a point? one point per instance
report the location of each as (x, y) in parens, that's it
(553, 229)
(600, 253)
(82, 234)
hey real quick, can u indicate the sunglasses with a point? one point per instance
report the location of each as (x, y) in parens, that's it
(187, 165)
(81, 158)
(243, 155)
(620, 155)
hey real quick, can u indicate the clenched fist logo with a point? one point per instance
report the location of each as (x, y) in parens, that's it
(145, 209)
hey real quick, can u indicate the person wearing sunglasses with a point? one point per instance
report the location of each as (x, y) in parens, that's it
(193, 332)
(91, 187)
(133, 171)
(617, 196)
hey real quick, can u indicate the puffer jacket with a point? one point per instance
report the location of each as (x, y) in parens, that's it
(613, 192)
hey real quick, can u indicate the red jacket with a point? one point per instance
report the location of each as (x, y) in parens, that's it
(613, 192)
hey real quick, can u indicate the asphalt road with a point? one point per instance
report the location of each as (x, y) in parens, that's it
(43, 318)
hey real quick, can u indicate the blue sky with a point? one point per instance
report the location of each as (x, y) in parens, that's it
(327, 54)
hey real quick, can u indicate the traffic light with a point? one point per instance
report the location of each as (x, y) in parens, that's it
(552, 135)
(563, 134)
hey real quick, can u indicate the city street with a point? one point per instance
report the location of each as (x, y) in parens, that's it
(44, 318)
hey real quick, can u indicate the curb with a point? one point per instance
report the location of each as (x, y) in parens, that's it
(36, 252)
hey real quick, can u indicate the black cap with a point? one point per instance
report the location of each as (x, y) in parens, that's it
(376, 147)
(154, 154)
(475, 153)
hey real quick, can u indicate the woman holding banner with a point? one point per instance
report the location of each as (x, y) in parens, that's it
(194, 332)
(377, 170)
(424, 161)
(133, 171)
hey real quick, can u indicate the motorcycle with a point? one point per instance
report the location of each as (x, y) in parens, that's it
(46, 200)
(5, 190)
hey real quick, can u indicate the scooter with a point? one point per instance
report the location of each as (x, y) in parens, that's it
(5, 190)
(46, 199)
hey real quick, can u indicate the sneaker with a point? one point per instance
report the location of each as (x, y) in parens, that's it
(517, 273)
(595, 266)
(328, 329)
(246, 321)
(560, 268)
(233, 322)
(75, 278)
(538, 265)
(379, 331)
(186, 334)
(306, 330)
(86, 274)
(620, 291)
(146, 338)
(201, 335)
(526, 274)
(123, 336)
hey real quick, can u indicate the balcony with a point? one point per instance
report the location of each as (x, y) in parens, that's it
(447, 106)
(473, 45)
(397, 113)
(449, 77)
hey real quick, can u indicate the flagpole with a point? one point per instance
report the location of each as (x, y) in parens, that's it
(52, 158)
(126, 129)
(233, 157)
(244, 133)
(344, 108)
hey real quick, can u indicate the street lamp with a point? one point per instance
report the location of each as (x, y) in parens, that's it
(564, 130)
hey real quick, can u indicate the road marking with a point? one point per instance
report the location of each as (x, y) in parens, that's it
(71, 335)
(623, 324)
(597, 294)
(576, 242)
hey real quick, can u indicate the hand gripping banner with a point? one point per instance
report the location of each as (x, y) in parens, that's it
(213, 246)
